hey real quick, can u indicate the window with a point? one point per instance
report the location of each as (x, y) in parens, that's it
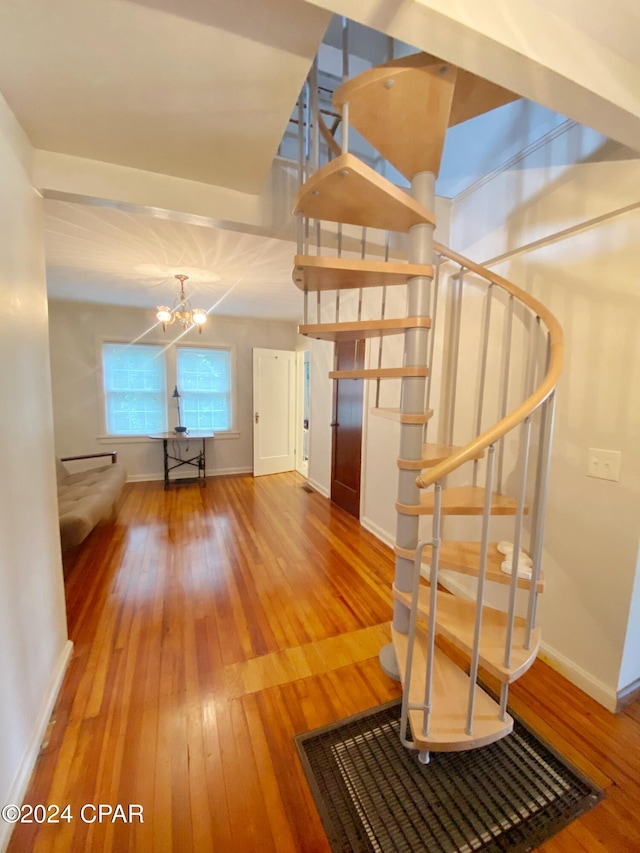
(204, 381)
(138, 380)
(134, 388)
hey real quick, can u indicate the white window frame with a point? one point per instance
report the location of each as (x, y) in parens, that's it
(104, 393)
(232, 377)
(170, 366)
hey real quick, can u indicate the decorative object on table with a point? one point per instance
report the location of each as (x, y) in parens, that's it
(176, 394)
(182, 311)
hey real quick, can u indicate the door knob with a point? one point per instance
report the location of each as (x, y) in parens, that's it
(334, 424)
(257, 417)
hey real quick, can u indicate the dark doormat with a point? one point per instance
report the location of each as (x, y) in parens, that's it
(374, 795)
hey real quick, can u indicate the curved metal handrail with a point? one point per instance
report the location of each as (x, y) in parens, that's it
(544, 389)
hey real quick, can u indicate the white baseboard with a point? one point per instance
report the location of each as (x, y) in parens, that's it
(216, 472)
(322, 490)
(591, 685)
(628, 694)
(23, 776)
(379, 532)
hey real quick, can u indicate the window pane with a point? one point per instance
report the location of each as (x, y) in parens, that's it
(134, 389)
(204, 382)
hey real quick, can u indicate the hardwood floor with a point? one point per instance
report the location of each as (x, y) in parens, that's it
(210, 626)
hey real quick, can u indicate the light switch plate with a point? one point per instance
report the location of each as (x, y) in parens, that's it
(604, 464)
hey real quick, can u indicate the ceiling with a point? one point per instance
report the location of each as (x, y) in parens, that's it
(197, 89)
(193, 89)
(108, 256)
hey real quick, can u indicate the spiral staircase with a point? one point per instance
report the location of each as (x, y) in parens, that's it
(443, 643)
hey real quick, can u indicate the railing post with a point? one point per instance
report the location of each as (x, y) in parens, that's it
(345, 128)
(504, 384)
(482, 573)
(484, 350)
(541, 520)
(452, 354)
(412, 402)
(433, 604)
(523, 464)
(432, 338)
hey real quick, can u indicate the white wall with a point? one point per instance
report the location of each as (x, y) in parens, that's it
(588, 281)
(76, 332)
(33, 635)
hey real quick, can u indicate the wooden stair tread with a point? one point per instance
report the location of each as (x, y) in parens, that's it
(402, 108)
(461, 500)
(379, 373)
(382, 107)
(394, 414)
(455, 621)
(357, 330)
(432, 454)
(449, 702)
(347, 190)
(474, 96)
(317, 272)
(464, 557)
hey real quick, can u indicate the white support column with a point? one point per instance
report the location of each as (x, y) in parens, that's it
(416, 352)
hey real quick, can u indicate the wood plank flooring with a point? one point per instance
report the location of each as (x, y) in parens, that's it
(213, 624)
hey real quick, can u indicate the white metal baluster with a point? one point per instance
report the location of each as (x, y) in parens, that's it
(345, 47)
(363, 252)
(345, 76)
(531, 359)
(314, 110)
(535, 510)
(339, 255)
(504, 385)
(434, 315)
(523, 465)
(345, 128)
(299, 216)
(411, 637)
(383, 309)
(541, 521)
(314, 130)
(482, 573)
(433, 603)
(483, 371)
(454, 348)
(305, 126)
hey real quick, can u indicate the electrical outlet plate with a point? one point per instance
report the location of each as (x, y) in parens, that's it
(604, 464)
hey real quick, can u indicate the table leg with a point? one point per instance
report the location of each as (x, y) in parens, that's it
(166, 463)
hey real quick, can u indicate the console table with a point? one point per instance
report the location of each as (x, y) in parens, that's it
(171, 461)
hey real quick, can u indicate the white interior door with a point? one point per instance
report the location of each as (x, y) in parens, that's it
(274, 410)
(302, 411)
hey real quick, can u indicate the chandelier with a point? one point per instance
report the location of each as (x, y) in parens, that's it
(182, 311)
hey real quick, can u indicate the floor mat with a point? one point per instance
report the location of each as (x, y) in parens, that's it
(374, 795)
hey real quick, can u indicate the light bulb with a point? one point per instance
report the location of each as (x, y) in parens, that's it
(199, 316)
(164, 314)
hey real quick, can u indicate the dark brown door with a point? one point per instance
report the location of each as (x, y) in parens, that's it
(347, 429)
